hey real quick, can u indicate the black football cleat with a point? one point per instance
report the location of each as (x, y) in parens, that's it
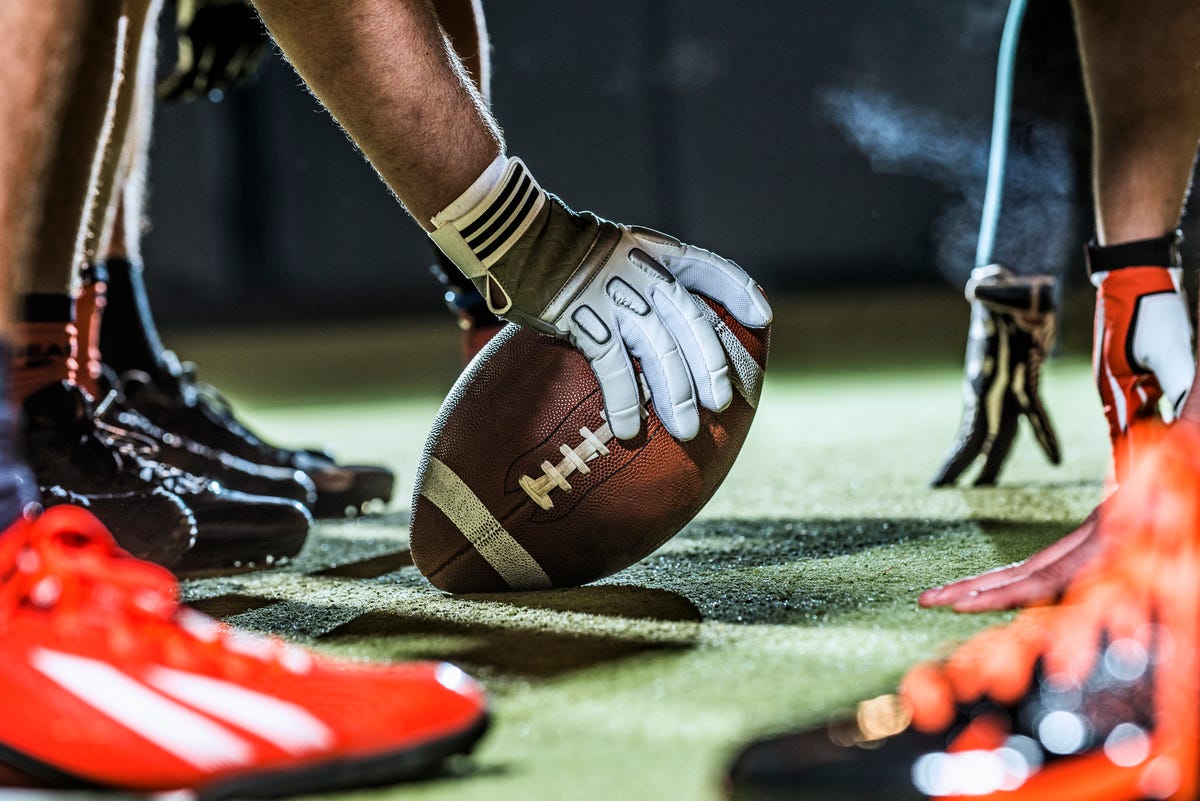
(1061, 741)
(231, 472)
(150, 522)
(168, 394)
(233, 531)
(236, 531)
(180, 404)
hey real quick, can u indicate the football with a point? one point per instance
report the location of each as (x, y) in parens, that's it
(522, 485)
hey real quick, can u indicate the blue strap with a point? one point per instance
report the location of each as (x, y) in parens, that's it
(1001, 114)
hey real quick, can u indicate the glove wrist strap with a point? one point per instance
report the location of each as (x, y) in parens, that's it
(1162, 251)
(483, 224)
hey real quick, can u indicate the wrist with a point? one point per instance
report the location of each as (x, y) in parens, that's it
(1159, 252)
(517, 243)
(482, 224)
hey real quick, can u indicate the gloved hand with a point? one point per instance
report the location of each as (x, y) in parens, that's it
(221, 44)
(612, 290)
(1143, 351)
(1012, 329)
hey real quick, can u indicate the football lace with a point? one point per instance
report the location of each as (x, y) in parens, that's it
(574, 460)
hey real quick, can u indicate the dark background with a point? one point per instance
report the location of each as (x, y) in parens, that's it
(817, 143)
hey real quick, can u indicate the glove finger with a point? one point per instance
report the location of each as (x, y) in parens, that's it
(207, 71)
(665, 372)
(177, 87)
(710, 275)
(1162, 344)
(979, 384)
(618, 385)
(1113, 397)
(701, 348)
(969, 444)
(229, 76)
(1000, 445)
(1039, 420)
(252, 58)
(1024, 377)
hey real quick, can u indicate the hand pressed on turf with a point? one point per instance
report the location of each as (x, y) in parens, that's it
(1042, 577)
(1047, 574)
(1129, 580)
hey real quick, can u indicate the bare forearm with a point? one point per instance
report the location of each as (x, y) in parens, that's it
(42, 54)
(386, 71)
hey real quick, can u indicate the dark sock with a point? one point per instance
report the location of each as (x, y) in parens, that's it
(44, 350)
(17, 486)
(128, 337)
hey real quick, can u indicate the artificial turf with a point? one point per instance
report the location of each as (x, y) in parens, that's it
(791, 596)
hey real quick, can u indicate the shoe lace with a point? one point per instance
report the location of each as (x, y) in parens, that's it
(201, 394)
(208, 400)
(65, 562)
(88, 448)
(143, 451)
(126, 439)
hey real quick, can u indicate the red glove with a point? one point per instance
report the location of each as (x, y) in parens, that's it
(1143, 342)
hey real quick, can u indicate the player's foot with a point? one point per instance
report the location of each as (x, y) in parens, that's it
(110, 684)
(1096, 698)
(150, 522)
(231, 472)
(180, 404)
(233, 531)
(167, 392)
(475, 320)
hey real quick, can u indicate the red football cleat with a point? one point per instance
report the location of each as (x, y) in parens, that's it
(110, 683)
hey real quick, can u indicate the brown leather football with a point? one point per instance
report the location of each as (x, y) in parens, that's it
(522, 485)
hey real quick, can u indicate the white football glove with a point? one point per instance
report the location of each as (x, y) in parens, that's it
(612, 290)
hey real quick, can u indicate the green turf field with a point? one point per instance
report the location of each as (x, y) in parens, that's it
(792, 595)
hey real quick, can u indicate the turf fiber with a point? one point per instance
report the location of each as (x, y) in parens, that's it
(792, 595)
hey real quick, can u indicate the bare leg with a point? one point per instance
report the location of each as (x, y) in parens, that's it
(116, 219)
(121, 221)
(386, 71)
(75, 163)
(42, 51)
(1143, 85)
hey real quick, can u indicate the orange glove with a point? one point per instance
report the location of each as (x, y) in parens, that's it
(1143, 339)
